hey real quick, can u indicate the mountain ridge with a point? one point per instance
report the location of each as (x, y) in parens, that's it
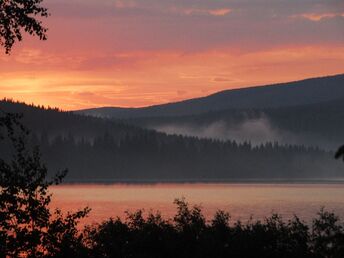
(307, 91)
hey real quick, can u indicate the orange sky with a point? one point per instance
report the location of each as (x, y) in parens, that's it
(138, 53)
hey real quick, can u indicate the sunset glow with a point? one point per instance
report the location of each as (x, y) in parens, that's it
(138, 53)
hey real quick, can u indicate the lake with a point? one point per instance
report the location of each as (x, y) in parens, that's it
(240, 200)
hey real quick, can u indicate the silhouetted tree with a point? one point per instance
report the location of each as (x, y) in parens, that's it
(27, 226)
(327, 237)
(17, 16)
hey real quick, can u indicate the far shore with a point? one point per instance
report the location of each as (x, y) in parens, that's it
(205, 181)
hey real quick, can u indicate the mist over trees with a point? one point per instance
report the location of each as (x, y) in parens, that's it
(148, 156)
(311, 125)
(96, 149)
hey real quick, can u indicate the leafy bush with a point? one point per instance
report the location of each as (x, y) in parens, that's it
(188, 234)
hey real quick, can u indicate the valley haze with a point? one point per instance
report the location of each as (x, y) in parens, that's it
(278, 133)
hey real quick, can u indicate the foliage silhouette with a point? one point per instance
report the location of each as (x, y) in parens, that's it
(188, 234)
(327, 237)
(27, 226)
(19, 15)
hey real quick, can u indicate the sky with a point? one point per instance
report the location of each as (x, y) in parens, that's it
(134, 53)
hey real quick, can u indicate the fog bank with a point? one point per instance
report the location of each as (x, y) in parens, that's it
(255, 130)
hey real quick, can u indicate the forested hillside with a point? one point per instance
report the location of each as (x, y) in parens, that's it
(313, 125)
(96, 149)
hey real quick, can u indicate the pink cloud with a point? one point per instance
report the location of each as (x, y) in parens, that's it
(318, 16)
(212, 12)
(220, 12)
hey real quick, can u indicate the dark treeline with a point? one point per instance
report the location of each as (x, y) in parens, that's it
(148, 156)
(98, 149)
(189, 234)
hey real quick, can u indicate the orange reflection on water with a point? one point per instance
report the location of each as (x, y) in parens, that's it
(240, 200)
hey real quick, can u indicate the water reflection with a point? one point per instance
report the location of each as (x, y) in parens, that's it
(240, 200)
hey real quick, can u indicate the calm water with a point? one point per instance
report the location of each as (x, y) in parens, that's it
(240, 200)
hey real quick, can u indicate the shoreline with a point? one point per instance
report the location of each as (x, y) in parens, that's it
(206, 181)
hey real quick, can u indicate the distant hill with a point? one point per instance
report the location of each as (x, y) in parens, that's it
(96, 149)
(309, 91)
(53, 122)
